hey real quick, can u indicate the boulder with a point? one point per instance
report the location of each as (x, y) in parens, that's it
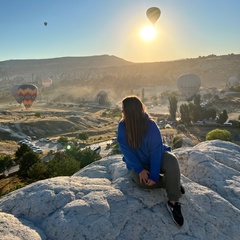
(101, 202)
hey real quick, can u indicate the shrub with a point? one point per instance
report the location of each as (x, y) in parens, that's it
(220, 134)
(17, 186)
(177, 142)
(37, 114)
(116, 149)
(104, 114)
(38, 171)
(88, 156)
(83, 136)
(63, 141)
(62, 166)
(181, 128)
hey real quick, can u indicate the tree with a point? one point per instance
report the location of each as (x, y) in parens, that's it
(38, 171)
(185, 114)
(72, 129)
(88, 156)
(63, 166)
(210, 113)
(223, 117)
(21, 151)
(5, 163)
(196, 112)
(197, 100)
(73, 151)
(2, 165)
(63, 141)
(83, 136)
(220, 134)
(172, 106)
(27, 161)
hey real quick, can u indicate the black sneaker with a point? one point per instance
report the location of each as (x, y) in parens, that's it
(175, 211)
(182, 190)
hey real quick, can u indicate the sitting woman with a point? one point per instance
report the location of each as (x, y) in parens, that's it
(150, 162)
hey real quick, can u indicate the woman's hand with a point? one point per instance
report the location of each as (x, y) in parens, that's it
(150, 182)
(143, 176)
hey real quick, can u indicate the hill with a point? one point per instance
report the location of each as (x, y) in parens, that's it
(78, 78)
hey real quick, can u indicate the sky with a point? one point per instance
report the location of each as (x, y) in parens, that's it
(185, 29)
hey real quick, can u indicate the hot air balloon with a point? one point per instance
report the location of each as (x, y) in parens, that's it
(47, 82)
(45, 24)
(188, 85)
(14, 91)
(102, 98)
(153, 14)
(27, 93)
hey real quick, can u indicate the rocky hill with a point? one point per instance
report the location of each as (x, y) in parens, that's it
(14, 67)
(83, 77)
(101, 202)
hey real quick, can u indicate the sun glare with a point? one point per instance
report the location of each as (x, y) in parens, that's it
(148, 33)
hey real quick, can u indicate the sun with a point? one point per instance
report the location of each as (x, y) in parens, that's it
(148, 33)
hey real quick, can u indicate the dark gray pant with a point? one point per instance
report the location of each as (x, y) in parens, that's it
(169, 178)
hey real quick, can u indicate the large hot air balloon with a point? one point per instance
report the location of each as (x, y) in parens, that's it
(102, 98)
(47, 82)
(14, 92)
(153, 14)
(45, 24)
(188, 85)
(27, 93)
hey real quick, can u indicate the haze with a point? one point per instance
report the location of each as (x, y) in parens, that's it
(185, 29)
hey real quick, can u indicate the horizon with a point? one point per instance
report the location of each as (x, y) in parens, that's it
(52, 58)
(184, 29)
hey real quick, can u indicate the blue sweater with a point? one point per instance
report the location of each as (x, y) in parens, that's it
(148, 155)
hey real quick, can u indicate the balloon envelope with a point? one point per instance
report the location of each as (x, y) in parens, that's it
(28, 93)
(102, 97)
(188, 85)
(153, 14)
(14, 92)
(45, 23)
(47, 82)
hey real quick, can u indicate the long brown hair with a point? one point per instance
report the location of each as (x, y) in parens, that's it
(135, 119)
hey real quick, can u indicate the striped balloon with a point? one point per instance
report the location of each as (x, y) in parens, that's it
(27, 93)
(14, 92)
(153, 14)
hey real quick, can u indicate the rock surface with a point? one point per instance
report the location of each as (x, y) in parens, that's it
(101, 202)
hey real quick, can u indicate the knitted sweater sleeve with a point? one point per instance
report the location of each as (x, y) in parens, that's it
(130, 155)
(155, 147)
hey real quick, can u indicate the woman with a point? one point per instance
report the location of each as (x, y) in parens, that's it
(146, 156)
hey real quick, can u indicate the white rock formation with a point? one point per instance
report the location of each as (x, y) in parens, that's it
(101, 202)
